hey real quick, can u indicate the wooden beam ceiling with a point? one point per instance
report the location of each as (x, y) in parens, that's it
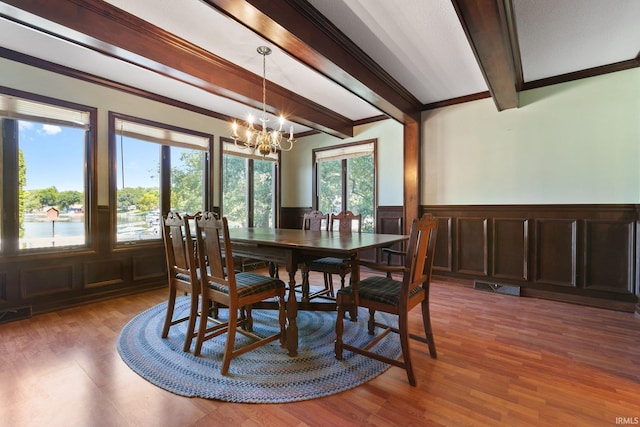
(102, 27)
(488, 26)
(300, 30)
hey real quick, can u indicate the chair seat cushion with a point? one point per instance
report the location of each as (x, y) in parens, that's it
(250, 284)
(328, 262)
(380, 289)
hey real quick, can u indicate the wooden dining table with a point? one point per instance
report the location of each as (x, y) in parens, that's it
(290, 247)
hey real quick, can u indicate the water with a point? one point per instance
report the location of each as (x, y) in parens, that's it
(44, 229)
(46, 234)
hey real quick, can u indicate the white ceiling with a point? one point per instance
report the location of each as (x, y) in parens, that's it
(420, 43)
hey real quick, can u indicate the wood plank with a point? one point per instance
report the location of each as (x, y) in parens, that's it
(502, 360)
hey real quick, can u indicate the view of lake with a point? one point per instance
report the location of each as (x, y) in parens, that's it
(42, 234)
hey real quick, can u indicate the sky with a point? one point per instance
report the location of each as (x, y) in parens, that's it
(54, 156)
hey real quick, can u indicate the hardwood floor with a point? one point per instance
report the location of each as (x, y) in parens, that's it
(502, 361)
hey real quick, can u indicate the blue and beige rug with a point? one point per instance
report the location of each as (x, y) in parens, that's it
(263, 375)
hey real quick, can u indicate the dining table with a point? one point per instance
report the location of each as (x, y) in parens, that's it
(291, 247)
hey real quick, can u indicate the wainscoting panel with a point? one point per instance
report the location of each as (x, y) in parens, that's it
(556, 252)
(48, 280)
(586, 254)
(103, 273)
(510, 249)
(609, 245)
(473, 245)
(149, 266)
(443, 256)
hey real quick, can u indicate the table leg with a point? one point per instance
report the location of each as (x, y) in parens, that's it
(292, 314)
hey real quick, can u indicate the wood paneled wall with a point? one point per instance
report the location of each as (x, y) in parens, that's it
(585, 254)
(46, 282)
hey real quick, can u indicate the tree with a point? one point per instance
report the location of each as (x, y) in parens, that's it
(149, 201)
(47, 196)
(187, 182)
(70, 197)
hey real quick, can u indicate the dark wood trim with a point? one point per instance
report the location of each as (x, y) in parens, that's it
(582, 74)
(104, 28)
(487, 28)
(91, 78)
(455, 101)
(585, 254)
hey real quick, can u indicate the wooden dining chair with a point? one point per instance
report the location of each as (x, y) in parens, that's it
(343, 222)
(182, 272)
(221, 284)
(380, 293)
(313, 221)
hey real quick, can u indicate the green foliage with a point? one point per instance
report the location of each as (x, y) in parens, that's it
(234, 190)
(149, 201)
(187, 182)
(70, 197)
(47, 196)
(360, 185)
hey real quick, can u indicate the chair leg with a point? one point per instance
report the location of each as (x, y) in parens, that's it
(372, 321)
(282, 318)
(340, 303)
(426, 320)
(170, 306)
(328, 283)
(403, 328)
(193, 313)
(202, 327)
(231, 340)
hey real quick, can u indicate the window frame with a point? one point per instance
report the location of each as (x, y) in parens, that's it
(250, 186)
(165, 171)
(346, 150)
(9, 198)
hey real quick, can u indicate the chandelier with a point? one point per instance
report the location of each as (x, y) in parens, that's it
(264, 140)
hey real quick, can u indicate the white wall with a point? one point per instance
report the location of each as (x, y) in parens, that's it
(297, 167)
(576, 142)
(34, 80)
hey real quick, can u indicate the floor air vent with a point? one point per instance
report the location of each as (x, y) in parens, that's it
(15, 314)
(498, 288)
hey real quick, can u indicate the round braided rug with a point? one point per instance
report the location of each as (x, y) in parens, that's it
(264, 375)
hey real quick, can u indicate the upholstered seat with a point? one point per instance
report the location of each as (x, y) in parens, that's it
(398, 297)
(221, 285)
(343, 222)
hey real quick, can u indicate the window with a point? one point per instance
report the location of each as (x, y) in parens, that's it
(158, 168)
(249, 197)
(345, 180)
(47, 163)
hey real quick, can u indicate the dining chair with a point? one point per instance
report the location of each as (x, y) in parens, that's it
(182, 272)
(313, 221)
(343, 222)
(380, 293)
(221, 284)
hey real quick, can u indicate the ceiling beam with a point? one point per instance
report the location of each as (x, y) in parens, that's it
(102, 27)
(299, 29)
(486, 24)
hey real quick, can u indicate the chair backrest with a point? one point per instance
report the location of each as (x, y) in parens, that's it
(315, 221)
(179, 249)
(214, 252)
(420, 253)
(346, 221)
